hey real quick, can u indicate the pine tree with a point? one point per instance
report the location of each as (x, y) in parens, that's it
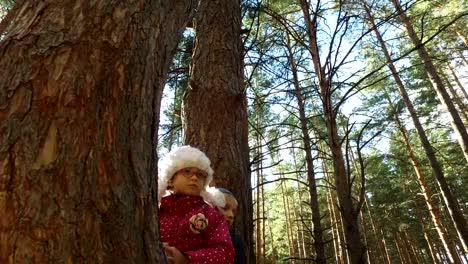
(80, 88)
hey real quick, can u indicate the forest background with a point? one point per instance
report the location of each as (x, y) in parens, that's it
(378, 136)
(356, 114)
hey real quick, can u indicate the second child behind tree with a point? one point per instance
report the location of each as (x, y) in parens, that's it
(226, 203)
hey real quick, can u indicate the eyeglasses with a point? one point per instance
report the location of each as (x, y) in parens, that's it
(190, 172)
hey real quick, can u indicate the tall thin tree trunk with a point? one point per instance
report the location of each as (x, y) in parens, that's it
(214, 116)
(333, 226)
(462, 57)
(259, 220)
(450, 201)
(463, 256)
(272, 244)
(400, 250)
(258, 232)
(295, 225)
(433, 209)
(263, 220)
(369, 252)
(319, 244)
(429, 242)
(456, 99)
(343, 256)
(301, 212)
(405, 247)
(457, 81)
(378, 235)
(336, 222)
(438, 84)
(349, 213)
(409, 246)
(385, 247)
(462, 37)
(288, 220)
(80, 90)
(442, 255)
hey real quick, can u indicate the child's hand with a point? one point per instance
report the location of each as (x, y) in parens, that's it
(174, 256)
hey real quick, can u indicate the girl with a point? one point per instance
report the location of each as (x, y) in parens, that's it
(191, 230)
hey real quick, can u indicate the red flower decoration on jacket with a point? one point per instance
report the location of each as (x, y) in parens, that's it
(198, 223)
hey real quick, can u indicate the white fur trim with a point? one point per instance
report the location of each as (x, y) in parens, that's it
(179, 158)
(214, 197)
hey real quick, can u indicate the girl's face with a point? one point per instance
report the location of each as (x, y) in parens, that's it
(230, 209)
(188, 181)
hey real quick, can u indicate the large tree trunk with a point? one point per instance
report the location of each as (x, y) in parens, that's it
(215, 106)
(80, 88)
(444, 97)
(319, 244)
(450, 201)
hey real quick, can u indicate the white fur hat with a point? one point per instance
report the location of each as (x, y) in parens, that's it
(179, 158)
(214, 197)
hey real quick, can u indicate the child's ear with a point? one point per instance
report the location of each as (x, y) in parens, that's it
(170, 184)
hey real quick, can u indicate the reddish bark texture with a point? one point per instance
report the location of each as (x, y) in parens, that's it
(80, 88)
(215, 110)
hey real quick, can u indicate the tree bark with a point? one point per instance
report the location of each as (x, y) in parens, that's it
(80, 89)
(319, 245)
(215, 107)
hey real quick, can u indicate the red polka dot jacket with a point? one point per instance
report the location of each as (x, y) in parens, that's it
(196, 229)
